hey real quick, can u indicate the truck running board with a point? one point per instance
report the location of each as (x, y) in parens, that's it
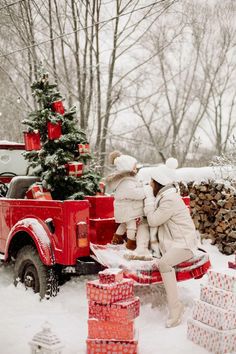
(84, 266)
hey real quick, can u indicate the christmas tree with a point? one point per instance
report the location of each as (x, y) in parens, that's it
(61, 159)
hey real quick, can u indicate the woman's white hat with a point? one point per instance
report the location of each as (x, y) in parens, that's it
(165, 174)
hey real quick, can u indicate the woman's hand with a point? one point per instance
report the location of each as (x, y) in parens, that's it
(148, 191)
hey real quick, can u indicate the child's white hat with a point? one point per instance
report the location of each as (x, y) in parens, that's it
(165, 174)
(122, 162)
(125, 163)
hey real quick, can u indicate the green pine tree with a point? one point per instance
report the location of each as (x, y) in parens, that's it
(49, 163)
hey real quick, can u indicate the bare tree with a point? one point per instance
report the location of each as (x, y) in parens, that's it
(188, 79)
(222, 101)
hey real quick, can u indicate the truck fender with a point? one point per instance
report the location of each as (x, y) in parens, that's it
(39, 234)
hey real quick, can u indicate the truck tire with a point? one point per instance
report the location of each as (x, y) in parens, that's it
(30, 271)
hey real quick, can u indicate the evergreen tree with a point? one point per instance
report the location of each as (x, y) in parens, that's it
(50, 162)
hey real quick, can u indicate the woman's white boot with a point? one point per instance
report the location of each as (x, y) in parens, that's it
(176, 308)
(175, 315)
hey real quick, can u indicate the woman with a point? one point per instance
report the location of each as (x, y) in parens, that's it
(166, 210)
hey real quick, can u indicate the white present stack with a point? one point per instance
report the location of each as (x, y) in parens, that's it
(213, 325)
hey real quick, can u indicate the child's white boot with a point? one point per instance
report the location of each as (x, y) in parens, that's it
(142, 251)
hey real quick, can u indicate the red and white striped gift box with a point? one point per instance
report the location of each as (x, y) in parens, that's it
(121, 311)
(218, 297)
(214, 316)
(98, 346)
(98, 329)
(36, 191)
(214, 340)
(109, 293)
(83, 148)
(223, 280)
(110, 275)
(74, 168)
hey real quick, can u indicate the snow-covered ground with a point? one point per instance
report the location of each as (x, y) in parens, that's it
(22, 315)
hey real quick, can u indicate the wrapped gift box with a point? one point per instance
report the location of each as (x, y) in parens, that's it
(98, 329)
(74, 168)
(214, 340)
(33, 191)
(84, 149)
(109, 293)
(232, 265)
(98, 346)
(121, 311)
(214, 316)
(36, 191)
(224, 280)
(43, 196)
(218, 297)
(110, 275)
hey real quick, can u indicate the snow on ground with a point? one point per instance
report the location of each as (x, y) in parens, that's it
(22, 316)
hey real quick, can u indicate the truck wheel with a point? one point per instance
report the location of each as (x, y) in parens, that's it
(30, 271)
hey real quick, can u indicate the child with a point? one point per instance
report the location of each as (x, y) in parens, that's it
(129, 198)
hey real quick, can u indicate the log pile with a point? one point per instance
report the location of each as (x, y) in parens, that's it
(213, 209)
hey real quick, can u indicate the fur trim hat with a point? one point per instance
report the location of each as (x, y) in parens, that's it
(113, 155)
(122, 162)
(165, 174)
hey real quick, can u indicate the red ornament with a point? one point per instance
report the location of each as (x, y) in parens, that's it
(58, 107)
(83, 149)
(54, 130)
(32, 140)
(74, 168)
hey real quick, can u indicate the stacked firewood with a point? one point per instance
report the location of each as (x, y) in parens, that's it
(213, 209)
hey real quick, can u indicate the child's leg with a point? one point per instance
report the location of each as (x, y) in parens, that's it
(121, 229)
(118, 236)
(131, 229)
(142, 240)
(131, 234)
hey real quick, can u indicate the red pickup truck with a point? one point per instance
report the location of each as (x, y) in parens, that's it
(51, 237)
(48, 238)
